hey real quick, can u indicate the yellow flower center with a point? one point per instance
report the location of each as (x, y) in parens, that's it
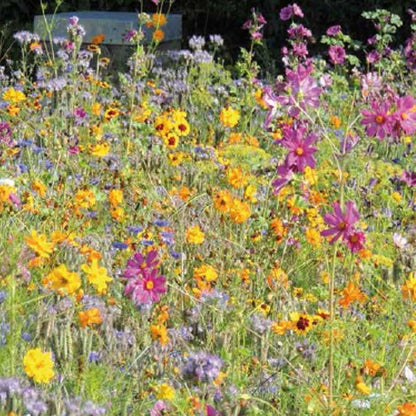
(342, 225)
(149, 285)
(379, 119)
(404, 116)
(299, 151)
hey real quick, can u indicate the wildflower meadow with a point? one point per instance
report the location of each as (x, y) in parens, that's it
(188, 237)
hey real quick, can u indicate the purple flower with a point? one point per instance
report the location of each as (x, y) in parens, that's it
(130, 35)
(336, 54)
(6, 134)
(333, 30)
(373, 57)
(290, 11)
(341, 225)
(146, 289)
(300, 149)
(285, 175)
(202, 366)
(138, 264)
(377, 120)
(299, 32)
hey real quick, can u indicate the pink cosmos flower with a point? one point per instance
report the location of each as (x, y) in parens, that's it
(159, 408)
(405, 115)
(409, 178)
(300, 149)
(341, 225)
(356, 241)
(378, 122)
(147, 288)
(137, 264)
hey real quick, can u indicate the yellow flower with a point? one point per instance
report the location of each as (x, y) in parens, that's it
(250, 194)
(281, 327)
(159, 333)
(396, 196)
(175, 158)
(96, 109)
(194, 235)
(90, 317)
(171, 140)
(162, 125)
(117, 213)
(182, 127)
(229, 117)
(222, 200)
(115, 197)
(310, 175)
(165, 392)
(313, 237)
(97, 276)
(111, 113)
(62, 280)
(39, 187)
(236, 178)
(5, 192)
(13, 96)
(85, 198)
(409, 288)
(205, 272)
(239, 211)
(301, 322)
(37, 242)
(100, 149)
(158, 35)
(38, 365)
(361, 386)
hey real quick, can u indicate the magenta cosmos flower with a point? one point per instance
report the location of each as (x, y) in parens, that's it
(378, 122)
(356, 241)
(341, 225)
(138, 264)
(147, 288)
(405, 115)
(300, 149)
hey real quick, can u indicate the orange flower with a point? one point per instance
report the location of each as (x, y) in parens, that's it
(239, 211)
(407, 409)
(158, 19)
(159, 333)
(351, 293)
(236, 178)
(158, 35)
(222, 200)
(97, 39)
(90, 317)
